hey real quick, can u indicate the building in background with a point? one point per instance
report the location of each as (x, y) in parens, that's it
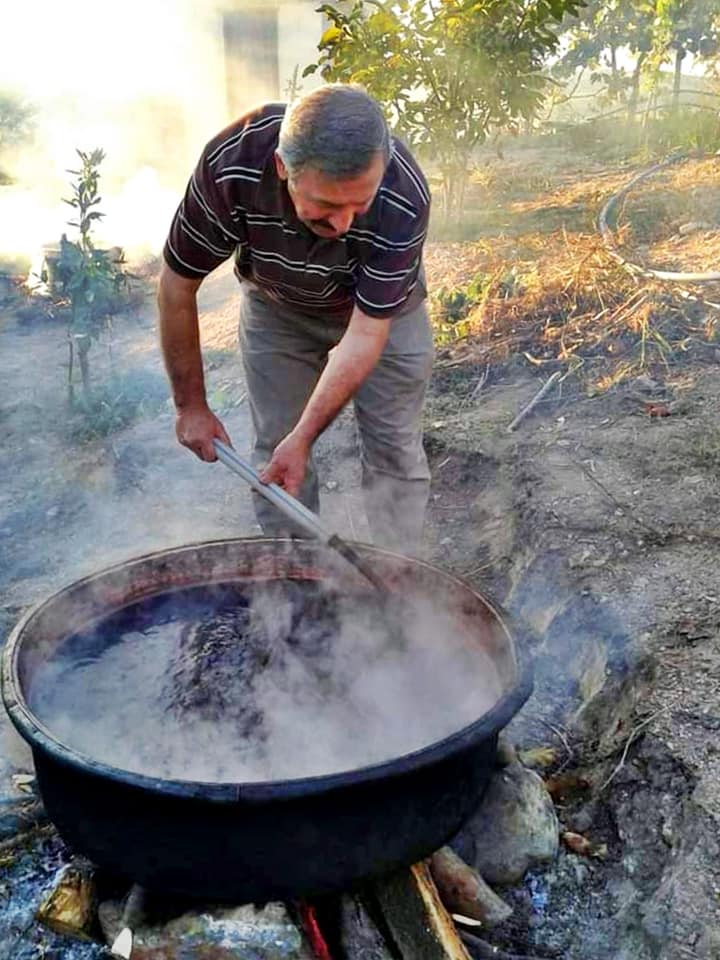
(149, 87)
(266, 48)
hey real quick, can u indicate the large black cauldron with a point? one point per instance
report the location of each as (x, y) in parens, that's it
(271, 840)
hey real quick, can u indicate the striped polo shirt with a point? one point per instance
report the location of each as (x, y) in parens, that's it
(236, 205)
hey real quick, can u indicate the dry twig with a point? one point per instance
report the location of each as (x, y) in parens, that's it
(481, 950)
(564, 741)
(535, 400)
(619, 504)
(630, 740)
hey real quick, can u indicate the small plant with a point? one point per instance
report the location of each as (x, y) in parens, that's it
(453, 304)
(293, 88)
(120, 401)
(88, 280)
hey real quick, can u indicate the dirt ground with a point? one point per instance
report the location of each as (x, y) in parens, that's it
(594, 522)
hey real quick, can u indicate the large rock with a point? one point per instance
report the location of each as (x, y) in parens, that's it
(515, 827)
(213, 933)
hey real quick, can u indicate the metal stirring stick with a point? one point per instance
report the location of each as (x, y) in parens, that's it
(295, 510)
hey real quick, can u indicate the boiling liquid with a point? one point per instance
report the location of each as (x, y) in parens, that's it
(270, 682)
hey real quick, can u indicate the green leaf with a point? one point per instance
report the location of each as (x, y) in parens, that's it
(330, 36)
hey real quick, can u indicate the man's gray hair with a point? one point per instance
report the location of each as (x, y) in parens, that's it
(337, 130)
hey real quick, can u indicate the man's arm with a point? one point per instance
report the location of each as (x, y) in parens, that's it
(349, 363)
(196, 425)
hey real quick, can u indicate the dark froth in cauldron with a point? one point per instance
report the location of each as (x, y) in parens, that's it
(267, 681)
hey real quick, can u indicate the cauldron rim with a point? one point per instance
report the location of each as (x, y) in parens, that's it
(39, 736)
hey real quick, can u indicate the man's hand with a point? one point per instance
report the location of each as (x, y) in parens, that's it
(288, 464)
(196, 428)
(349, 363)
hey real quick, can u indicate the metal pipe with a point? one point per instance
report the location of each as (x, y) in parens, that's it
(296, 511)
(280, 498)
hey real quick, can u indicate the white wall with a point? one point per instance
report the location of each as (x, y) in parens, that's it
(299, 30)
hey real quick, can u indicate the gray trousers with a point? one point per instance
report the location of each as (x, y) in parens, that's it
(284, 352)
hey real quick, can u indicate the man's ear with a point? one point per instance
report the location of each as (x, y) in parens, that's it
(280, 167)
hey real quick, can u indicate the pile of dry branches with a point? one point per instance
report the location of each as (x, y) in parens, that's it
(566, 303)
(598, 302)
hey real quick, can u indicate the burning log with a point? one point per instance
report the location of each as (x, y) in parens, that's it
(360, 938)
(463, 891)
(132, 916)
(70, 907)
(419, 924)
(314, 935)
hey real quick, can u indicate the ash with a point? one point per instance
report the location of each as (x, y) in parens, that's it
(26, 878)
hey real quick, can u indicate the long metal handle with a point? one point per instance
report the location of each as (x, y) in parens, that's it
(296, 511)
(291, 507)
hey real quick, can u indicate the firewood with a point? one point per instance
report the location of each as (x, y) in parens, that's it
(479, 950)
(577, 843)
(418, 923)
(314, 934)
(70, 907)
(132, 916)
(359, 936)
(463, 890)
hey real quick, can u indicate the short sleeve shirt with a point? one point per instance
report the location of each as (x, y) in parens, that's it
(236, 206)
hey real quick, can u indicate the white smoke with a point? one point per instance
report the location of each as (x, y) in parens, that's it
(376, 685)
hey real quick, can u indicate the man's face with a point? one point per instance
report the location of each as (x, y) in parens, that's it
(326, 205)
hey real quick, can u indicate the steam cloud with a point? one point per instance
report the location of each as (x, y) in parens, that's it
(317, 685)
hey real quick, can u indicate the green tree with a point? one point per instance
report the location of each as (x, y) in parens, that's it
(613, 39)
(682, 27)
(610, 34)
(449, 72)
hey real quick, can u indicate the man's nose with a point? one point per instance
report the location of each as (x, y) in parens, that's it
(341, 220)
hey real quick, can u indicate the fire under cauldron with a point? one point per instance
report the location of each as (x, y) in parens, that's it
(270, 840)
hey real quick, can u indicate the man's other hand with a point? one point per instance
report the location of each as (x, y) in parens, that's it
(196, 428)
(288, 464)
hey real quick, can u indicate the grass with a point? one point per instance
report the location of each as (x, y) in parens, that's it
(122, 400)
(704, 449)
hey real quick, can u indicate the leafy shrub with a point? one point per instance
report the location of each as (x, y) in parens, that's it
(452, 304)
